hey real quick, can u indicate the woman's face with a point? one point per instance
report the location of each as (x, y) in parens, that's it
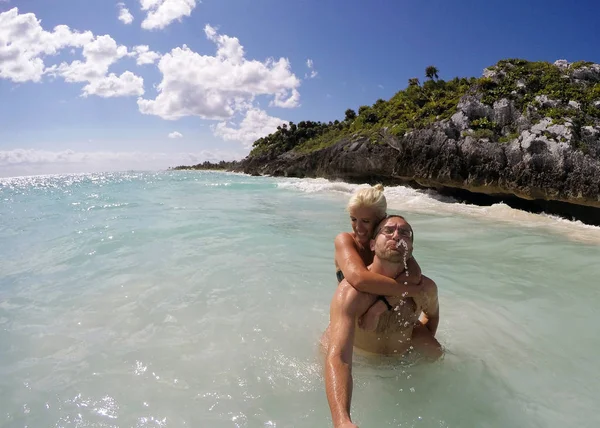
(363, 220)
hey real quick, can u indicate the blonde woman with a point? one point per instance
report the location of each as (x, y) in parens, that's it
(367, 207)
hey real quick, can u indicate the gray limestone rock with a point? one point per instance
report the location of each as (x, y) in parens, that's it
(562, 64)
(589, 73)
(460, 120)
(546, 102)
(473, 108)
(504, 112)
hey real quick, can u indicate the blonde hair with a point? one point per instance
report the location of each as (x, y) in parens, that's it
(370, 197)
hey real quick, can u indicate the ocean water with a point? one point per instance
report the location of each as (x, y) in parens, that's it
(174, 299)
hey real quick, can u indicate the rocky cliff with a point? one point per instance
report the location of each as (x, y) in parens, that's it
(519, 133)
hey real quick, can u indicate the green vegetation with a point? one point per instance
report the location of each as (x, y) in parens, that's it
(521, 81)
(420, 105)
(431, 72)
(581, 64)
(414, 82)
(222, 165)
(413, 108)
(292, 136)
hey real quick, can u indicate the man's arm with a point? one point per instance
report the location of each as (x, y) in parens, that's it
(432, 307)
(345, 305)
(356, 272)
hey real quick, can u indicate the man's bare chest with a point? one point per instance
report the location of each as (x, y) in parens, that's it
(403, 314)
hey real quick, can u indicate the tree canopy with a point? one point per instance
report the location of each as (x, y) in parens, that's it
(431, 72)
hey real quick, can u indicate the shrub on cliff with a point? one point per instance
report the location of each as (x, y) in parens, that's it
(571, 92)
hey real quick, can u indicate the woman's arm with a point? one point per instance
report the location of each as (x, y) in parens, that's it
(356, 273)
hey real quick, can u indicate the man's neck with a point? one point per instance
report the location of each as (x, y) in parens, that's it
(383, 267)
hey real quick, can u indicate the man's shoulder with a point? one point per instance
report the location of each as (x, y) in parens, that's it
(429, 285)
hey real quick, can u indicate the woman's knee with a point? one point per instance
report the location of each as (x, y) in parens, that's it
(354, 300)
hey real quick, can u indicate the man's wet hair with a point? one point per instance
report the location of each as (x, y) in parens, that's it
(386, 218)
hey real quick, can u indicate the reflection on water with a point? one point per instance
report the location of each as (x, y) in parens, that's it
(176, 302)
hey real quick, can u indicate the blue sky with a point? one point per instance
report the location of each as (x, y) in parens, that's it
(218, 73)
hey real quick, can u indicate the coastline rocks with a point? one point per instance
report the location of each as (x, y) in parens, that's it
(533, 166)
(518, 134)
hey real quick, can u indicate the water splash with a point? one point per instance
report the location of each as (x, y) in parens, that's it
(402, 243)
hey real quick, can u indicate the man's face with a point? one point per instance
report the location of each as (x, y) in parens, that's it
(393, 240)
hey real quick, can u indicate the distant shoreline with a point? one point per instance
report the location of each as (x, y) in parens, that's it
(220, 166)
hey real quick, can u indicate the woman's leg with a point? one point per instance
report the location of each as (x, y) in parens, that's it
(370, 318)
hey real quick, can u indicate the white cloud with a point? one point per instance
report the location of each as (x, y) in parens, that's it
(286, 99)
(24, 44)
(175, 134)
(313, 72)
(144, 55)
(256, 124)
(161, 13)
(125, 85)
(124, 15)
(28, 161)
(99, 54)
(215, 87)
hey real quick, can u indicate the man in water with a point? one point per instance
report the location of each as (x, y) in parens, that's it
(399, 331)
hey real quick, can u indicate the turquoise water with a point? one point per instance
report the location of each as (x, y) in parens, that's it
(197, 299)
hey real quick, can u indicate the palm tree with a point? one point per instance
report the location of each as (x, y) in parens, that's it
(431, 72)
(413, 82)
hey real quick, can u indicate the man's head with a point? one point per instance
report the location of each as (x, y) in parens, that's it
(393, 239)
